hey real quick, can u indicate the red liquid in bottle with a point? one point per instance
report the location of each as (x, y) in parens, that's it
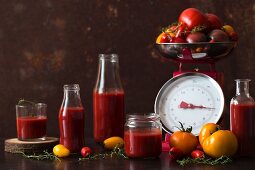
(108, 115)
(243, 126)
(143, 143)
(71, 123)
(31, 127)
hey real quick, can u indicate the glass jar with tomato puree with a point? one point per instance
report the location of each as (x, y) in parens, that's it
(143, 135)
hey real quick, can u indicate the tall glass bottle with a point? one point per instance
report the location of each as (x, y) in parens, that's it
(72, 119)
(242, 118)
(108, 99)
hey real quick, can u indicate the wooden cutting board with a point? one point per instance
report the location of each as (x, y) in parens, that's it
(14, 145)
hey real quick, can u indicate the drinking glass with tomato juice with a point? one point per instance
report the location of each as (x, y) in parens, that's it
(31, 121)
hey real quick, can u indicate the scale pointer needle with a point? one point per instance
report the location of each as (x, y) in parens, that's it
(185, 105)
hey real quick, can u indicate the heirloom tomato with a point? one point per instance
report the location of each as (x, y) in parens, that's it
(192, 17)
(184, 140)
(217, 143)
(214, 20)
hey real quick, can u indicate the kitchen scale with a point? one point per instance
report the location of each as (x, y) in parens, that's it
(192, 97)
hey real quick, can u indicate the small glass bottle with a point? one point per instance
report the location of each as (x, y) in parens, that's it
(108, 99)
(242, 118)
(72, 119)
(143, 136)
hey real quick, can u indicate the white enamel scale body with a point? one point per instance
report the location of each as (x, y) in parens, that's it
(190, 98)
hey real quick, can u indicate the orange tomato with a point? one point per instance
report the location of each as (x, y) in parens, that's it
(217, 143)
(184, 140)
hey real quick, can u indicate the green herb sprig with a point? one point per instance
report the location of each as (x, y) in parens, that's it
(116, 152)
(206, 161)
(44, 156)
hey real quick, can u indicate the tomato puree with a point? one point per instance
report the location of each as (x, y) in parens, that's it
(71, 124)
(108, 110)
(242, 124)
(31, 127)
(143, 143)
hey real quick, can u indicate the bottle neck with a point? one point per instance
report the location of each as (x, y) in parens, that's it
(108, 73)
(242, 87)
(72, 96)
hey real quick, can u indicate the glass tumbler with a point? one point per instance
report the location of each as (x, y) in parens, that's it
(31, 121)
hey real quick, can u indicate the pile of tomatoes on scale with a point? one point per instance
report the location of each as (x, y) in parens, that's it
(194, 26)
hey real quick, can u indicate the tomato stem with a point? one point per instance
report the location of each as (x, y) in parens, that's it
(189, 129)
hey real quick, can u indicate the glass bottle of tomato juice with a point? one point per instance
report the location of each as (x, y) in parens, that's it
(108, 99)
(242, 118)
(72, 119)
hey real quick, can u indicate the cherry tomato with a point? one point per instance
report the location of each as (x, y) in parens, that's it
(175, 153)
(163, 38)
(184, 140)
(61, 151)
(217, 143)
(233, 36)
(86, 151)
(228, 29)
(192, 17)
(197, 154)
(214, 20)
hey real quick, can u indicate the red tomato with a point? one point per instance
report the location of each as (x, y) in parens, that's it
(192, 17)
(214, 20)
(177, 40)
(175, 153)
(86, 151)
(197, 154)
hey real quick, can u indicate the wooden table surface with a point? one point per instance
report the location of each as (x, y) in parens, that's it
(10, 161)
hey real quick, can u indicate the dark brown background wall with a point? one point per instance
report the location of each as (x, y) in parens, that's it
(45, 44)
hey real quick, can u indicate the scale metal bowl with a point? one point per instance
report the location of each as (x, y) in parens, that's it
(195, 52)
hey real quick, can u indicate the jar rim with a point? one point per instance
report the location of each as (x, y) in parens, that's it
(143, 117)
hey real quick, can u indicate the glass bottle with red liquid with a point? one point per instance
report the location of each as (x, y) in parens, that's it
(242, 118)
(108, 99)
(143, 136)
(72, 119)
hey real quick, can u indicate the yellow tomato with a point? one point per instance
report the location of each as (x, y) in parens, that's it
(61, 151)
(217, 143)
(185, 141)
(207, 130)
(228, 29)
(111, 142)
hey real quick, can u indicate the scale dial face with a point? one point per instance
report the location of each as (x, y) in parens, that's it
(192, 99)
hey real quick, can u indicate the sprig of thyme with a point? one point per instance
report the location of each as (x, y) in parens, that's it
(44, 156)
(116, 152)
(207, 161)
